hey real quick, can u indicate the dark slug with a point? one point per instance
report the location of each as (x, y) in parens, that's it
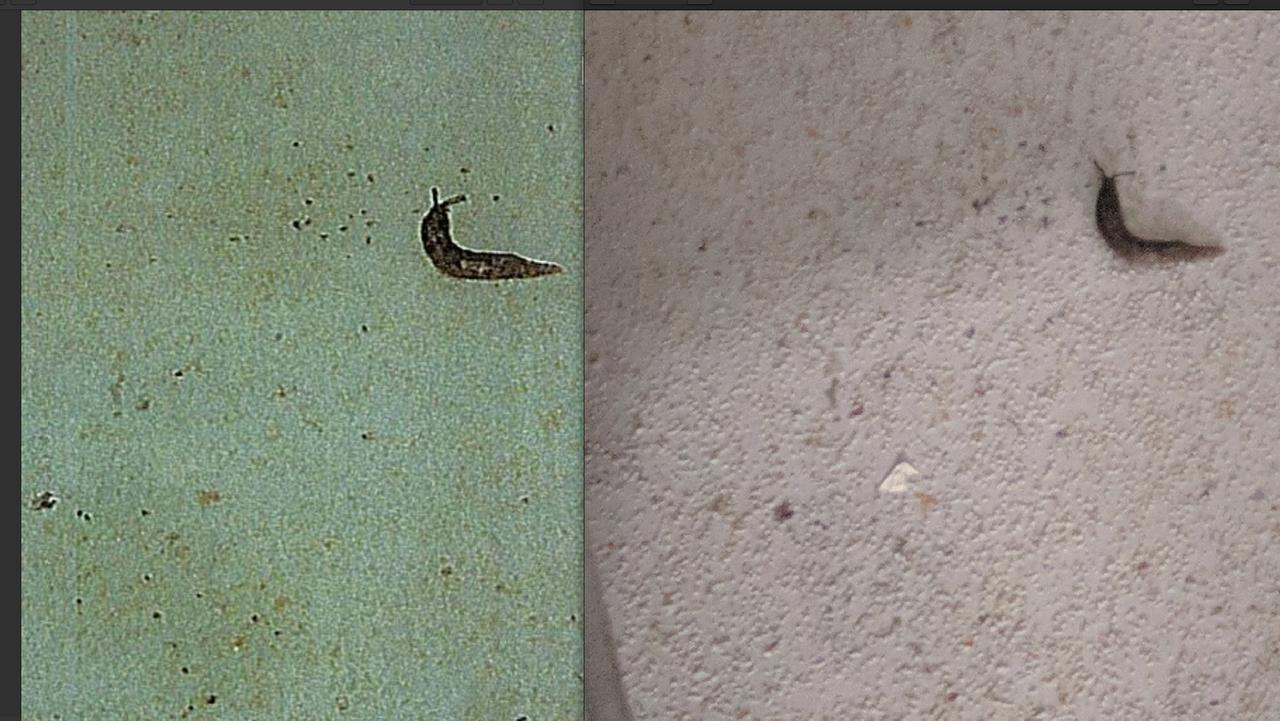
(458, 262)
(1129, 246)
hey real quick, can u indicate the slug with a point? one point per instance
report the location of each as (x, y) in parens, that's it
(1129, 246)
(459, 262)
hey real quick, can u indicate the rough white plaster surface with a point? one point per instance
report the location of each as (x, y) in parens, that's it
(819, 245)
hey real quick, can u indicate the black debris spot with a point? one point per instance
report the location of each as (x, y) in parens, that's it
(783, 511)
(368, 240)
(297, 144)
(185, 670)
(524, 499)
(255, 618)
(44, 501)
(364, 328)
(297, 224)
(496, 198)
(351, 173)
(369, 177)
(464, 170)
(308, 201)
(211, 699)
(144, 404)
(178, 374)
(84, 515)
(324, 236)
(551, 128)
(342, 228)
(146, 578)
(365, 435)
(446, 570)
(145, 512)
(155, 614)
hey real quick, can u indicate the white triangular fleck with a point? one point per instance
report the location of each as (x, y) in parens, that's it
(899, 479)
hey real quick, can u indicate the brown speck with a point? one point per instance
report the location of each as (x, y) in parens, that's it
(446, 571)
(783, 511)
(208, 498)
(926, 501)
(1142, 566)
(857, 410)
(245, 72)
(239, 642)
(144, 404)
(343, 704)
(280, 604)
(953, 696)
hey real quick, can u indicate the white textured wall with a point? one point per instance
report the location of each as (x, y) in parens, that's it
(821, 243)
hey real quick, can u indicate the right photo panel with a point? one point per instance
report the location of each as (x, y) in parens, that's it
(932, 363)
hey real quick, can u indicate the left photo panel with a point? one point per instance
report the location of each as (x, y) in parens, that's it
(302, 385)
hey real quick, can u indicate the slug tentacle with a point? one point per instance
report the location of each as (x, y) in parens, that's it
(1111, 226)
(459, 262)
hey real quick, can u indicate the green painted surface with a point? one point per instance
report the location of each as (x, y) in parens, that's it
(300, 474)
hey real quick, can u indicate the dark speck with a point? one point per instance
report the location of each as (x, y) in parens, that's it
(464, 170)
(155, 614)
(969, 333)
(783, 511)
(551, 128)
(496, 198)
(297, 225)
(211, 699)
(296, 144)
(369, 177)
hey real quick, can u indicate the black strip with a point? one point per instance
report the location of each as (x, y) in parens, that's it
(683, 5)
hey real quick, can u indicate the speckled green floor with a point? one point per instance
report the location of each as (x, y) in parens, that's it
(299, 473)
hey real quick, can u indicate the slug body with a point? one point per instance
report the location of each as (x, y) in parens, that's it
(1127, 245)
(459, 262)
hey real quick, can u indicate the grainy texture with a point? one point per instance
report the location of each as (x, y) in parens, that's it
(458, 262)
(1112, 228)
